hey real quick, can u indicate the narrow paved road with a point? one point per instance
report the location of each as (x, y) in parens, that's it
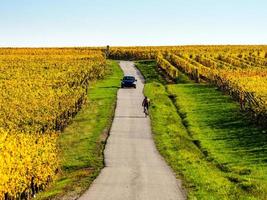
(134, 170)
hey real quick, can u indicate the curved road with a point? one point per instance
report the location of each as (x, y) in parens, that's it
(134, 170)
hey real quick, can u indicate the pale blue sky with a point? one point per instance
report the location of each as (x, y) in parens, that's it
(132, 22)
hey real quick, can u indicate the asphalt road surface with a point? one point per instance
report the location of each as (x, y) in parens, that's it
(133, 170)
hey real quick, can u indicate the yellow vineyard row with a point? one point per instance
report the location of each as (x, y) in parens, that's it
(27, 162)
(40, 91)
(247, 85)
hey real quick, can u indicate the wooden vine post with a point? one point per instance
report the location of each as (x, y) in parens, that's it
(197, 78)
(242, 101)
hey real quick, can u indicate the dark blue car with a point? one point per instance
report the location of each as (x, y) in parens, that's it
(128, 81)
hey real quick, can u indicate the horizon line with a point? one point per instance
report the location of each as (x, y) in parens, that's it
(101, 46)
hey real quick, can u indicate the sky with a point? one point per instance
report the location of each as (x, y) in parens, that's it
(61, 23)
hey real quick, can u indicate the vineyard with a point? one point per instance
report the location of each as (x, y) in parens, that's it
(41, 91)
(240, 71)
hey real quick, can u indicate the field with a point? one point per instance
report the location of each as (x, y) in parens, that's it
(41, 91)
(208, 115)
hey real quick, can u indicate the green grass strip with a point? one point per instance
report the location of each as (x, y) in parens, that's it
(225, 135)
(82, 142)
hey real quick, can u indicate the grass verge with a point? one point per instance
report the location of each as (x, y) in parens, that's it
(208, 143)
(82, 142)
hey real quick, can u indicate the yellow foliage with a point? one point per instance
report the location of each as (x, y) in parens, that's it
(40, 91)
(25, 159)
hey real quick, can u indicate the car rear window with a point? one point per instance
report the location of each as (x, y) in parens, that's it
(128, 78)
